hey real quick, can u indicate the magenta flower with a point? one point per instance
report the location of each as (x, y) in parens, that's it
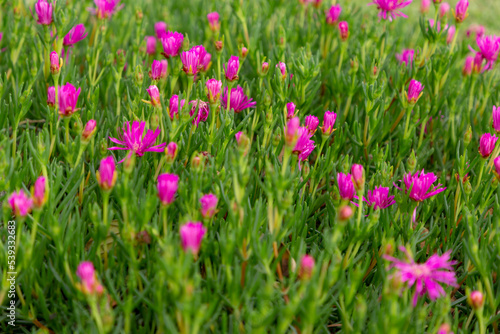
(476, 299)
(496, 162)
(265, 68)
(496, 118)
(150, 45)
(158, 70)
(174, 105)
(389, 9)
(424, 6)
(55, 65)
(478, 63)
(191, 62)
(154, 95)
(460, 12)
(238, 100)
(346, 187)
(282, 67)
(291, 131)
(132, 139)
(306, 266)
(344, 30)
(487, 144)
(20, 203)
(106, 176)
(444, 8)
(89, 129)
(208, 205)
(333, 14)
(68, 97)
(171, 152)
(238, 136)
(290, 107)
(105, 8)
(451, 34)
(427, 276)
(311, 123)
(203, 110)
(39, 195)
(231, 68)
(406, 56)
(214, 89)
(167, 188)
(419, 186)
(328, 123)
(358, 175)
(43, 10)
(205, 62)
(171, 42)
(475, 30)
(213, 21)
(414, 91)
(304, 146)
(379, 198)
(87, 275)
(160, 29)
(192, 234)
(468, 65)
(51, 96)
(489, 47)
(75, 35)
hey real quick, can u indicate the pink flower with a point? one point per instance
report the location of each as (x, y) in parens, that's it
(167, 188)
(304, 146)
(87, 275)
(306, 266)
(344, 30)
(379, 198)
(311, 123)
(420, 185)
(43, 10)
(406, 56)
(191, 62)
(231, 68)
(468, 65)
(333, 14)
(291, 131)
(68, 97)
(238, 100)
(496, 118)
(205, 62)
(203, 110)
(171, 42)
(171, 152)
(389, 8)
(105, 8)
(39, 197)
(282, 67)
(424, 6)
(51, 96)
(444, 329)
(158, 70)
(460, 12)
(106, 176)
(265, 68)
(213, 21)
(214, 88)
(89, 129)
(150, 45)
(346, 187)
(427, 276)
(238, 136)
(290, 107)
(132, 139)
(328, 123)
(489, 47)
(192, 234)
(345, 213)
(55, 65)
(154, 95)
(174, 105)
(75, 35)
(487, 144)
(208, 205)
(478, 63)
(414, 91)
(243, 52)
(444, 8)
(20, 203)
(160, 29)
(476, 299)
(358, 175)
(476, 30)
(451, 34)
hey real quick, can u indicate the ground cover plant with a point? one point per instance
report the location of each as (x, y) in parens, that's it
(249, 166)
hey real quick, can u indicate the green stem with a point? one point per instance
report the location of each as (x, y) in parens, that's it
(408, 116)
(480, 174)
(66, 129)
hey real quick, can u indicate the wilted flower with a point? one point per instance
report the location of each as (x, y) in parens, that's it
(333, 14)
(167, 188)
(427, 276)
(20, 203)
(75, 35)
(89, 129)
(39, 194)
(214, 89)
(171, 42)
(231, 68)
(346, 187)
(132, 139)
(160, 29)
(192, 234)
(344, 30)
(414, 91)
(154, 95)
(106, 175)
(213, 21)
(306, 267)
(406, 56)
(174, 105)
(43, 10)
(238, 101)
(51, 96)
(68, 97)
(87, 275)
(203, 110)
(419, 185)
(487, 144)
(208, 205)
(389, 8)
(328, 123)
(150, 45)
(460, 12)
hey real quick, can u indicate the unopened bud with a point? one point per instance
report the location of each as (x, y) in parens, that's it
(345, 213)
(476, 299)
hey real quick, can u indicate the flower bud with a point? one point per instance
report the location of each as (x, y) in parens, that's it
(265, 68)
(291, 131)
(487, 144)
(154, 95)
(344, 30)
(412, 161)
(167, 188)
(358, 176)
(290, 106)
(39, 192)
(208, 205)
(171, 152)
(89, 130)
(306, 267)
(468, 136)
(219, 46)
(106, 175)
(414, 91)
(192, 234)
(345, 213)
(243, 52)
(476, 300)
(20, 203)
(55, 63)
